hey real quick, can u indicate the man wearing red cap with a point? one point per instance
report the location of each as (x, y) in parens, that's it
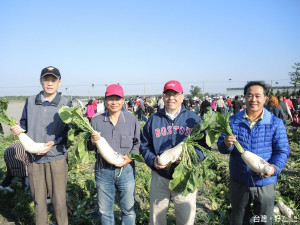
(164, 130)
(122, 132)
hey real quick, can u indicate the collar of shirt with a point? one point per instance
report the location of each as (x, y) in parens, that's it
(173, 116)
(253, 123)
(45, 100)
(120, 120)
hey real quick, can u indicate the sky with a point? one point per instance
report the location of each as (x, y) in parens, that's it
(213, 44)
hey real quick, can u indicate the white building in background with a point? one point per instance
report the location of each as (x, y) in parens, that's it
(240, 91)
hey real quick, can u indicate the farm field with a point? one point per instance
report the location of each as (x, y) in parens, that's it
(213, 206)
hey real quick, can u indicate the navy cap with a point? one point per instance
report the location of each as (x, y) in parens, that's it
(51, 70)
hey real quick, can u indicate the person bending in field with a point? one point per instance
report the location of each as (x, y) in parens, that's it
(122, 132)
(164, 130)
(48, 170)
(261, 132)
(16, 161)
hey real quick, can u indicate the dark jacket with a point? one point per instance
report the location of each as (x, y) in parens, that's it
(278, 111)
(237, 105)
(284, 107)
(204, 107)
(160, 133)
(43, 124)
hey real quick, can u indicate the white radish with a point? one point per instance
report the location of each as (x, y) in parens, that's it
(107, 152)
(30, 145)
(276, 209)
(285, 210)
(256, 163)
(170, 155)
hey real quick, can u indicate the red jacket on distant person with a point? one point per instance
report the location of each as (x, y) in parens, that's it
(289, 103)
(95, 105)
(229, 102)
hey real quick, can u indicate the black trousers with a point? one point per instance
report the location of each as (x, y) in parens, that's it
(263, 199)
(220, 110)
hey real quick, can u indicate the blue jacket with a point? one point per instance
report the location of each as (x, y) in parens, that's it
(267, 139)
(160, 133)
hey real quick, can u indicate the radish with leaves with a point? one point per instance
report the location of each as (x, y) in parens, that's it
(190, 172)
(28, 144)
(81, 131)
(216, 124)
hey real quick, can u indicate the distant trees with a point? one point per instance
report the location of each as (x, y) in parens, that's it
(295, 76)
(195, 91)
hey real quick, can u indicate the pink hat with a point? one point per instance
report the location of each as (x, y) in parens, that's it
(173, 85)
(114, 89)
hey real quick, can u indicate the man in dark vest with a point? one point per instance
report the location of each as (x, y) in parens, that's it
(47, 170)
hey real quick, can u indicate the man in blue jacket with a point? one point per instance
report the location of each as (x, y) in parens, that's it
(164, 130)
(262, 133)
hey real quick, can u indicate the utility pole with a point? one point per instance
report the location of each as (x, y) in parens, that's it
(70, 92)
(93, 89)
(228, 87)
(68, 89)
(271, 84)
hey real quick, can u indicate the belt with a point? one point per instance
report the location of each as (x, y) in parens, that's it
(106, 165)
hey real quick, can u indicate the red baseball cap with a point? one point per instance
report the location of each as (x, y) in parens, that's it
(114, 89)
(173, 85)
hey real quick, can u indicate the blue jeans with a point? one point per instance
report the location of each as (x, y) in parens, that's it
(108, 182)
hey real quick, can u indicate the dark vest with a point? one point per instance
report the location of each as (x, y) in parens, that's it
(44, 125)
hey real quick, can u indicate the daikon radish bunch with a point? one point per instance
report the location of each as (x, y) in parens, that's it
(81, 131)
(216, 124)
(190, 173)
(28, 144)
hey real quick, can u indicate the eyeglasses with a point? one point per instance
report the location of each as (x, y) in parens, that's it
(175, 95)
(49, 79)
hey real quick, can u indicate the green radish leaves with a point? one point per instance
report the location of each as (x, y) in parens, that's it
(4, 118)
(187, 176)
(137, 157)
(191, 171)
(80, 131)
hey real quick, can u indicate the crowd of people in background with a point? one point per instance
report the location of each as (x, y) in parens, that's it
(284, 107)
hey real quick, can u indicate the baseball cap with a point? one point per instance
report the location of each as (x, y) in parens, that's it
(51, 70)
(173, 85)
(114, 89)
